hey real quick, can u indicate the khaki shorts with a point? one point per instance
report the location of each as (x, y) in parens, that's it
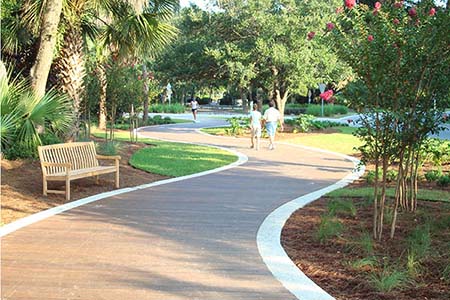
(256, 131)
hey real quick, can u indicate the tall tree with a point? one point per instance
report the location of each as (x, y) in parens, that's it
(49, 22)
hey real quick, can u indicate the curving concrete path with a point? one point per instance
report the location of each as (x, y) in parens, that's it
(191, 239)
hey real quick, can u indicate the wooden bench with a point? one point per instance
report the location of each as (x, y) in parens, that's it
(66, 162)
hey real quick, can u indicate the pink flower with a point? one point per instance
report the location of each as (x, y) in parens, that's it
(339, 9)
(398, 4)
(432, 12)
(377, 5)
(412, 12)
(327, 95)
(370, 38)
(330, 26)
(396, 21)
(311, 35)
(350, 3)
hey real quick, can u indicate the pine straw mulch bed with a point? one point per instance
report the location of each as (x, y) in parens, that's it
(21, 184)
(329, 263)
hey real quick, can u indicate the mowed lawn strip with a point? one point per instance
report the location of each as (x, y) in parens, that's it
(174, 159)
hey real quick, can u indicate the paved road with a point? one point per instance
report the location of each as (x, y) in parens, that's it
(192, 239)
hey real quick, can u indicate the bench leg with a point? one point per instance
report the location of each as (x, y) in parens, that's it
(117, 174)
(97, 179)
(44, 186)
(67, 189)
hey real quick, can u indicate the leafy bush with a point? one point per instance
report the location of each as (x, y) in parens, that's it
(329, 227)
(204, 101)
(436, 151)
(370, 177)
(303, 123)
(433, 175)
(50, 139)
(159, 120)
(237, 125)
(391, 175)
(20, 150)
(444, 180)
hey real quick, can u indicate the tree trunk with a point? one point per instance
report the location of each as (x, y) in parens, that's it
(102, 101)
(47, 41)
(145, 75)
(244, 100)
(71, 71)
(280, 99)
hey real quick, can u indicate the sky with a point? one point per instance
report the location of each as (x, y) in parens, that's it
(199, 3)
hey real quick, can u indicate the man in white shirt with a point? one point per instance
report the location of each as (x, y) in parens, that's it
(271, 117)
(255, 125)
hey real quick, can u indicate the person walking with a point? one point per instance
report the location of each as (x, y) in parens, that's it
(255, 126)
(194, 108)
(271, 117)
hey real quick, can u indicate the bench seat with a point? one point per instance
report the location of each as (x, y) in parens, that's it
(70, 161)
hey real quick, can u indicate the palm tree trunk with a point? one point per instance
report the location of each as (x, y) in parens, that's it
(72, 70)
(145, 78)
(102, 101)
(47, 41)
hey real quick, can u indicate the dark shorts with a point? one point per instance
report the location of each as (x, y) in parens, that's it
(194, 109)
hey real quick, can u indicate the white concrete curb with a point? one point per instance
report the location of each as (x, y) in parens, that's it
(269, 238)
(11, 227)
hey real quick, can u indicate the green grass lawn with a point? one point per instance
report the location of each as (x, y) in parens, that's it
(174, 159)
(343, 142)
(367, 192)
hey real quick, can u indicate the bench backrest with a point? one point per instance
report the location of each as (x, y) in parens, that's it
(81, 155)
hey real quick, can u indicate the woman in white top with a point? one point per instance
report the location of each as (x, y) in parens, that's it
(255, 125)
(194, 107)
(272, 117)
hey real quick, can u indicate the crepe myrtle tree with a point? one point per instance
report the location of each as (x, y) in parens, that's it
(400, 54)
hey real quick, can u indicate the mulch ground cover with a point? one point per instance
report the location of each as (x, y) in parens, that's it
(329, 263)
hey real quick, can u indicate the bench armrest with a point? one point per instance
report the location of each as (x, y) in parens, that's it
(116, 157)
(50, 164)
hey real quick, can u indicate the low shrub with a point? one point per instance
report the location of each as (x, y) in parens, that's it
(433, 175)
(444, 180)
(20, 150)
(338, 206)
(328, 110)
(329, 227)
(388, 280)
(108, 148)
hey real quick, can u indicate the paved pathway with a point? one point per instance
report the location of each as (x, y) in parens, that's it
(192, 239)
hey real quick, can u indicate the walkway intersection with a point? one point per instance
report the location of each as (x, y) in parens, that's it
(191, 239)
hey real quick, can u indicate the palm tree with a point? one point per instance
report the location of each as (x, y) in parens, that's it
(121, 29)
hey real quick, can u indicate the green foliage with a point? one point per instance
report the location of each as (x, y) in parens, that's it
(328, 110)
(446, 272)
(339, 206)
(364, 263)
(444, 180)
(413, 265)
(435, 151)
(362, 244)
(237, 125)
(370, 177)
(166, 108)
(159, 120)
(433, 175)
(303, 123)
(391, 175)
(329, 227)
(388, 280)
(22, 114)
(419, 241)
(108, 148)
